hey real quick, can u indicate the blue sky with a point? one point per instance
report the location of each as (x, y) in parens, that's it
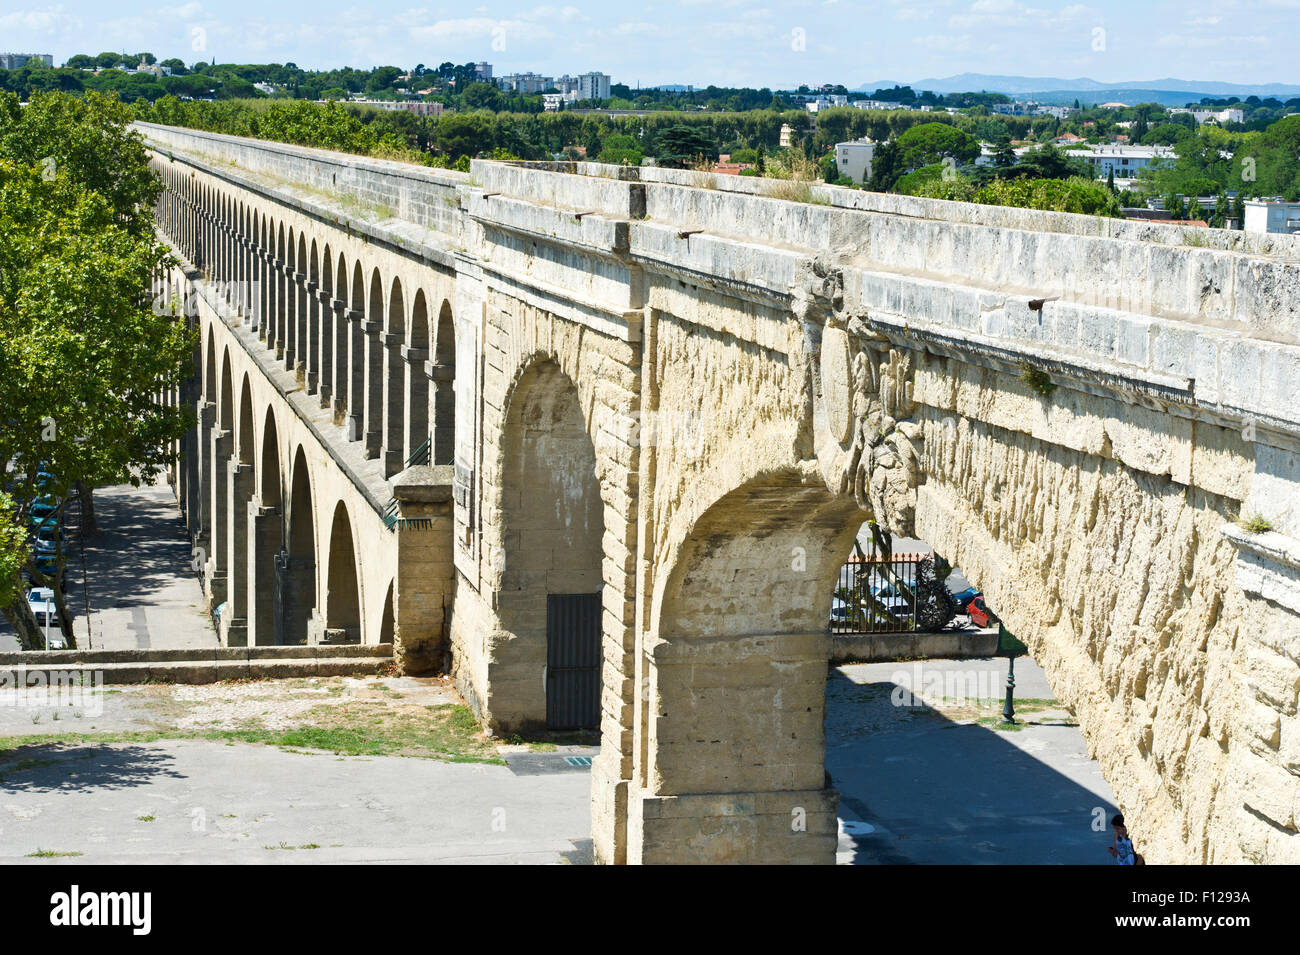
(727, 42)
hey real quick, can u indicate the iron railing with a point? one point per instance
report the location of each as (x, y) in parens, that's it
(875, 594)
(390, 514)
(423, 454)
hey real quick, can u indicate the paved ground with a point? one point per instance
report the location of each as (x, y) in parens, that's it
(939, 782)
(919, 784)
(199, 802)
(142, 590)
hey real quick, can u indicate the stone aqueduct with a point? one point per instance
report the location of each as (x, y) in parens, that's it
(683, 393)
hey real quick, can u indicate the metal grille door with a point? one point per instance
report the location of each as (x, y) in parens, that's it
(572, 661)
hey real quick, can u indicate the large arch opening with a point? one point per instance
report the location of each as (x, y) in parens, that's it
(341, 381)
(326, 327)
(202, 523)
(298, 339)
(300, 571)
(394, 381)
(417, 382)
(343, 596)
(551, 580)
(265, 573)
(374, 367)
(740, 669)
(443, 373)
(219, 473)
(313, 339)
(289, 324)
(355, 361)
(234, 623)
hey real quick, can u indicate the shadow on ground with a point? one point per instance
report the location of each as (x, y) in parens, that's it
(140, 549)
(917, 786)
(57, 767)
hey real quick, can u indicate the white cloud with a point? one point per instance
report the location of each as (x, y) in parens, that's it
(943, 43)
(47, 20)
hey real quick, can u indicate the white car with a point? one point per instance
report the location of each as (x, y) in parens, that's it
(40, 598)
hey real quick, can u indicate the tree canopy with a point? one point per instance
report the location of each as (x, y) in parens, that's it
(85, 353)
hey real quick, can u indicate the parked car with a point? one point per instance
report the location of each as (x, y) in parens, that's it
(843, 616)
(963, 598)
(47, 564)
(980, 614)
(41, 508)
(39, 599)
(889, 598)
(47, 538)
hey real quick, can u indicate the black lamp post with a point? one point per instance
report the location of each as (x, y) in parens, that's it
(1009, 647)
(1008, 709)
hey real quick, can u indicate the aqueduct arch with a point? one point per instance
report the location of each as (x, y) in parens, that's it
(394, 381)
(552, 546)
(416, 355)
(739, 665)
(444, 391)
(343, 597)
(300, 571)
(265, 524)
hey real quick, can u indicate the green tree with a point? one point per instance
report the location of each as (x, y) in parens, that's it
(1076, 194)
(481, 96)
(621, 149)
(382, 78)
(85, 352)
(464, 134)
(886, 167)
(1166, 134)
(934, 142)
(680, 145)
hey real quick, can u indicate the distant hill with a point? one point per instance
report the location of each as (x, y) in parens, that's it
(1170, 92)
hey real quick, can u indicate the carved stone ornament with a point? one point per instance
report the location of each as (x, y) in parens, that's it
(837, 383)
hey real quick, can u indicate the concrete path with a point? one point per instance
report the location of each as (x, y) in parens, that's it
(933, 781)
(199, 802)
(143, 591)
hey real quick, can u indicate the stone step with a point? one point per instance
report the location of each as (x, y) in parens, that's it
(194, 671)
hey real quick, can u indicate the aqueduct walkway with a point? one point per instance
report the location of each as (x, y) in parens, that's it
(645, 413)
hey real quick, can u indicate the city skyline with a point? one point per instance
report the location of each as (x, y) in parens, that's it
(724, 43)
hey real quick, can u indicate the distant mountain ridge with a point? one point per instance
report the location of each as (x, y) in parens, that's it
(1085, 89)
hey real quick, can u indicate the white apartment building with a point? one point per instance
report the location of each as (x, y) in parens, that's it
(483, 71)
(825, 101)
(593, 86)
(526, 83)
(583, 86)
(876, 104)
(1125, 162)
(418, 107)
(1229, 115)
(1272, 215)
(853, 158)
(551, 102)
